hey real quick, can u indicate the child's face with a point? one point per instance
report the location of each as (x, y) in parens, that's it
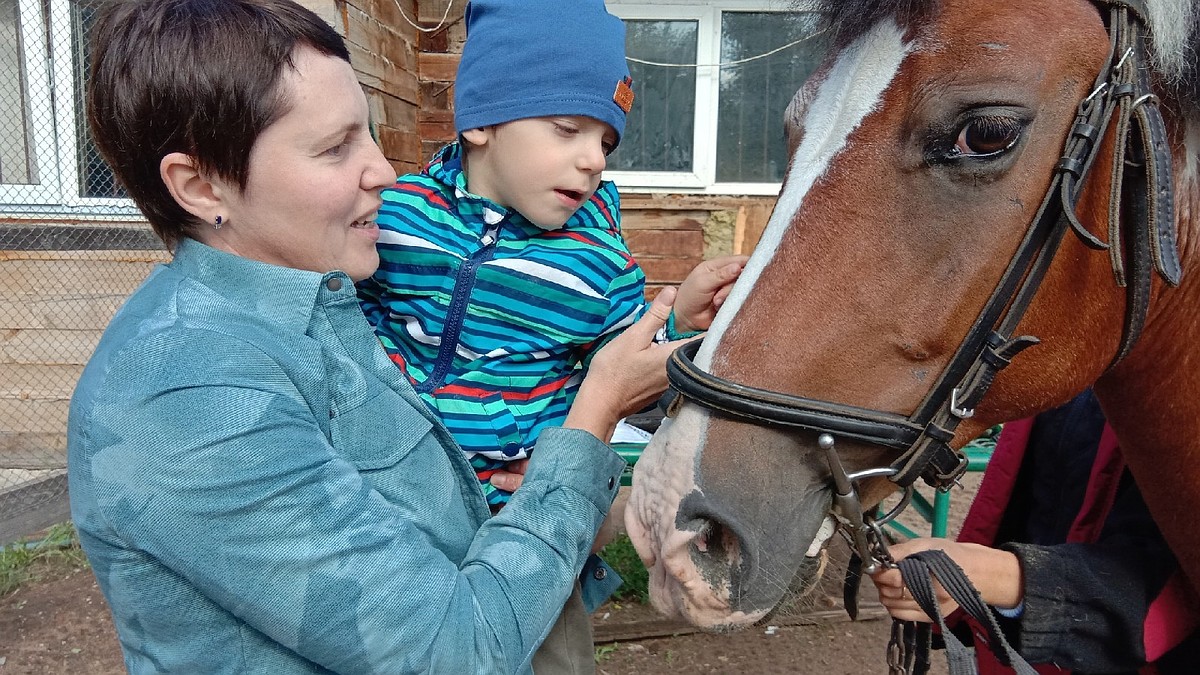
(543, 167)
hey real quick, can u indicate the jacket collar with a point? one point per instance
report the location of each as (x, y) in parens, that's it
(446, 167)
(277, 294)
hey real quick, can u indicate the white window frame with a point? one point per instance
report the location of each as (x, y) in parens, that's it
(702, 178)
(56, 149)
(37, 90)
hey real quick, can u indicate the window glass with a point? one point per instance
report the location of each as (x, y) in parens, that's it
(18, 160)
(96, 179)
(660, 129)
(751, 146)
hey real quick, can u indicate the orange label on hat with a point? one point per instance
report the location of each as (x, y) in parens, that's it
(623, 96)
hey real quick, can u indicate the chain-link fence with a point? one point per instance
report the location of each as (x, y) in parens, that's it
(71, 250)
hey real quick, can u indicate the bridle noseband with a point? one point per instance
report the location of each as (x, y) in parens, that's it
(1141, 198)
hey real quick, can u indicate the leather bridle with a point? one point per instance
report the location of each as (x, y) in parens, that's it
(1141, 199)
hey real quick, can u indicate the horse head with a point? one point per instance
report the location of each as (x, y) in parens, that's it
(971, 183)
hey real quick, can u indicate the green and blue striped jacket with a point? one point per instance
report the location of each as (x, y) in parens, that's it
(491, 318)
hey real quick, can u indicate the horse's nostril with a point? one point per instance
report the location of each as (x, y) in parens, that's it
(701, 540)
(714, 540)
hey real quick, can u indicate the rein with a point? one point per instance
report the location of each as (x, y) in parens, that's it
(1140, 198)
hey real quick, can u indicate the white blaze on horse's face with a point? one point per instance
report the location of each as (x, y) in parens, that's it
(680, 582)
(851, 90)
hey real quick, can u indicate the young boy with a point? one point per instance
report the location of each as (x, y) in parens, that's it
(502, 264)
(502, 267)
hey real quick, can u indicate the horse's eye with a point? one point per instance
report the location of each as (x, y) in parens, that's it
(987, 136)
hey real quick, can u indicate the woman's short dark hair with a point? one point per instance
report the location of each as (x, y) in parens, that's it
(199, 77)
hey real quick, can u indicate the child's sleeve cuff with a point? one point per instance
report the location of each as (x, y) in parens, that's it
(669, 332)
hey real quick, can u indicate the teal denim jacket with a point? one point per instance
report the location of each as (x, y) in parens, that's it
(259, 490)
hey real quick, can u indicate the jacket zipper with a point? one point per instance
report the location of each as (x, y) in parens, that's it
(464, 283)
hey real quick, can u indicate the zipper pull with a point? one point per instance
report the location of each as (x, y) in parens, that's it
(489, 237)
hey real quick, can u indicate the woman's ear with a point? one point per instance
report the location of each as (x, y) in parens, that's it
(197, 194)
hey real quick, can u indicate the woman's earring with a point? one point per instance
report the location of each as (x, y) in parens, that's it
(217, 223)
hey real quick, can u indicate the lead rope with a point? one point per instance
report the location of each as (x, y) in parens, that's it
(908, 650)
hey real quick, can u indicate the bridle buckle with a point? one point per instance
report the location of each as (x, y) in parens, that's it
(956, 407)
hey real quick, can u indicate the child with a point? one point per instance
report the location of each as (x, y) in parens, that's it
(502, 267)
(502, 264)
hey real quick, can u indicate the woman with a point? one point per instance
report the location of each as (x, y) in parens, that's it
(257, 487)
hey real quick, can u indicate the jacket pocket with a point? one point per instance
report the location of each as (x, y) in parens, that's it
(378, 433)
(481, 422)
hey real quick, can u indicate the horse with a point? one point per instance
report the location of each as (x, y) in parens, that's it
(989, 207)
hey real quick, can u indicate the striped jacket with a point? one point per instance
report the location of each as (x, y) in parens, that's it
(492, 318)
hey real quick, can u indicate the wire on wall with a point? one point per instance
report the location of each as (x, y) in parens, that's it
(725, 64)
(436, 28)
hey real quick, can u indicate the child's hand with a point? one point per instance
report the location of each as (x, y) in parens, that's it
(704, 290)
(511, 476)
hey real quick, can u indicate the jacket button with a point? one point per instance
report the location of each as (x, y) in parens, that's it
(599, 574)
(611, 482)
(334, 284)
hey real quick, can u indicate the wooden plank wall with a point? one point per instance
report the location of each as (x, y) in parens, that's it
(54, 304)
(670, 234)
(60, 284)
(53, 307)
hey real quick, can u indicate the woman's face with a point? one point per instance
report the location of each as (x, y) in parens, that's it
(314, 178)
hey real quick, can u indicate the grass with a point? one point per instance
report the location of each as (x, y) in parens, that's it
(604, 653)
(621, 556)
(56, 549)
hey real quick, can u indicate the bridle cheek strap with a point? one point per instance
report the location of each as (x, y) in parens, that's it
(932, 457)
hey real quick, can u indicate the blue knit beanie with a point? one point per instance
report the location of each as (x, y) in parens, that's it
(540, 58)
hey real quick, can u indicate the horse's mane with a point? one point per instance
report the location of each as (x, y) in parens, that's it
(1175, 25)
(846, 20)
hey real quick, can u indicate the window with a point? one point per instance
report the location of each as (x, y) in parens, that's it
(48, 162)
(704, 127)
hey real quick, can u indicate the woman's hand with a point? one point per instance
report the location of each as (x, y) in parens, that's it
(705, 290)
(626, 375)
(995, 573)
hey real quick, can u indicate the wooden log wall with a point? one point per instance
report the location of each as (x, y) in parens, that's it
(670, 234)
(59, 288)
